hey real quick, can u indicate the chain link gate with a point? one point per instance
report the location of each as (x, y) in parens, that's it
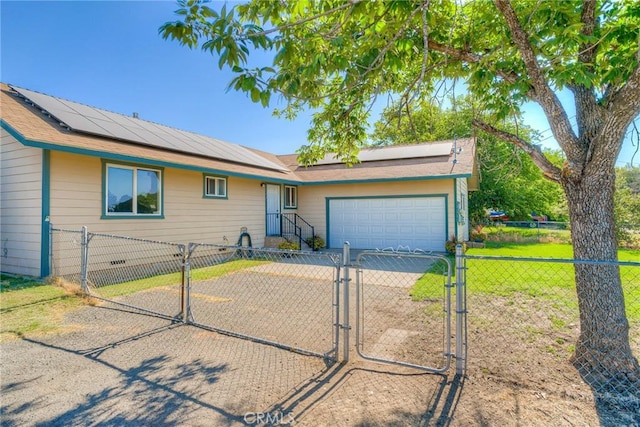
(288, 299)
(403, 309)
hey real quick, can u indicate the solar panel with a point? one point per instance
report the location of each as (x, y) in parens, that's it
(396, 152)
(86, 119)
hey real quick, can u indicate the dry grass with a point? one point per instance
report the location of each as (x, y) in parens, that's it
(30, 307)
(73, 289)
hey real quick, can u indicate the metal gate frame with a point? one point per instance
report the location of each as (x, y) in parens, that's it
(460, 309)
(361, 316)
(190, 319)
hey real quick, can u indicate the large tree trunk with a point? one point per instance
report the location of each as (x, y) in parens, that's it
(603, 351)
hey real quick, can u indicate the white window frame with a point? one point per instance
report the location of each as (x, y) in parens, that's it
(217, 180)
(134, 201)
(290, 197)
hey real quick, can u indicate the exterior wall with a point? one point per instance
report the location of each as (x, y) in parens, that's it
(73, 192)
(76, 200)
(462, 199)
(312, 198)
(20, 207)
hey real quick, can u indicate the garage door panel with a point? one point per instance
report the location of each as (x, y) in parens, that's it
(416, 222)
(391, 217)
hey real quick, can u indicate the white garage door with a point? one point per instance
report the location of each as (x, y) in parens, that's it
(378, 223)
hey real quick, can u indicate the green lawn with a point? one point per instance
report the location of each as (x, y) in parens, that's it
(541, 250)
(29, 306)
(550, 281)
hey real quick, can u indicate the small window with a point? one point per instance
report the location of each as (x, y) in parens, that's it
(215, 187)
(290, 197)
(131, 190)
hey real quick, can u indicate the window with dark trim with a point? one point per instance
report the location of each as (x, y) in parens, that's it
(290, 197)
(132, 190)
(215, 187)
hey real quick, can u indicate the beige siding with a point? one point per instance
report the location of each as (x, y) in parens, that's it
(76, 200)
(312, 198)
(20, 207)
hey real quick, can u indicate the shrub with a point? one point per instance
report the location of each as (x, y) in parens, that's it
(450, 245)
(316, 242)
(477, 235)
(289, 245)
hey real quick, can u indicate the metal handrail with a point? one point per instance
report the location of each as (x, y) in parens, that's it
(292, 224)
(305, 231)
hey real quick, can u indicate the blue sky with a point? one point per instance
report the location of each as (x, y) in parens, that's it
(108, 54)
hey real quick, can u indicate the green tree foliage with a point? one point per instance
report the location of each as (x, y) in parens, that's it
(338, 57)
(509, 180)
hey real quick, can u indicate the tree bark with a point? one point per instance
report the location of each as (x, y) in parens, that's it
(603, 351)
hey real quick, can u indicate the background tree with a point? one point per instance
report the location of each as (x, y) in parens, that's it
(337, 57)
(627, 206)
(518, 188)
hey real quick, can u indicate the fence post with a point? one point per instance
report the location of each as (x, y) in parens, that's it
(186, 284)
(84, 259)
(346, 262)
(461, 311)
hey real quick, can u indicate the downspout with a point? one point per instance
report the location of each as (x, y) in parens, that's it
(45, 232)
(455, 208)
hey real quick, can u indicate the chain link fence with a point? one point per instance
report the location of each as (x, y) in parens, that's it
(519, 316)
(66, 254)
(140, 274)
(143, 274)
(284, 298)
(524, 322)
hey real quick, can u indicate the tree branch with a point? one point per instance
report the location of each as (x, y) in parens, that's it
(544, 95)
(346, 5)
(469, 57)
(620, 112)
(588, 18)
(549, 170)
(589, 113)
(625, 103)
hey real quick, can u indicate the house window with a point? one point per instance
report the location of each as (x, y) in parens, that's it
(131, 190)
(215, 187)
(290, 197)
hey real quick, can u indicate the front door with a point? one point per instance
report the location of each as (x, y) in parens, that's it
(273, 210)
